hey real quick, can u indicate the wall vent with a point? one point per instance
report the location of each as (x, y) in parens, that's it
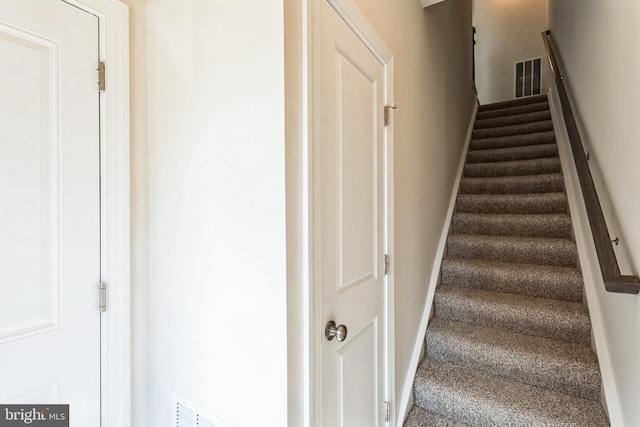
(528, 77)
(186, 414)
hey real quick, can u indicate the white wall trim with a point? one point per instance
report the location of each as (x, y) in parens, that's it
(359, 24)
(312, 197)
(588, 259)
(390, 223)
(115, 323)
(299, 388)
(406, 398)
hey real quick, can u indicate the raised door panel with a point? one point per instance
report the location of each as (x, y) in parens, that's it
(29, 144)
(358, 378)
(357, 139)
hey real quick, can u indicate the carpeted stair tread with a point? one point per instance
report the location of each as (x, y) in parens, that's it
(540, 317)
(521, 129)
(480, 399)
(418, 417)
(518, 184)
(541, 281)
(513, 103)
(509, 111)
(513, 168)
(536, 138)
(526, 250)
(515, 119)
(535, 203)
(510, 340)
(526, 152)
(542, 225)
(556, 365)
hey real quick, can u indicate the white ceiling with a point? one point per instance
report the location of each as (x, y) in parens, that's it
(427, 3)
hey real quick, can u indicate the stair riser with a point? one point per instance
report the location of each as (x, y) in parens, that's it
(448, 401)
(563, 326)
(531, 117)
(481, 400)
(418, 417)
(513, 154)
(518, 168)
(522, 129)
(451, 402)
(513, 141)
(565, 286)
(576, 378)
(513, 103)
(523, 109)
(490, 204)
(557, 253)
(513, 185)
(494, 225)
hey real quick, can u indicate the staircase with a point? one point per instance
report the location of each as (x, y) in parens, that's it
(509, 344)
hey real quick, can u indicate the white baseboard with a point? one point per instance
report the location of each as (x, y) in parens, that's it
(406, 397)
(588, 260)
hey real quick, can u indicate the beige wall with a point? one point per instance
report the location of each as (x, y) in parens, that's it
(217, 209)
(508, 32)
(598, 45)
(433, 89)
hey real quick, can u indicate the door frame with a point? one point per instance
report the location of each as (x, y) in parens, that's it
(363, 29)
(115, 324)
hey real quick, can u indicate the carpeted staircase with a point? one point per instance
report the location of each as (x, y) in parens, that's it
(509, 344)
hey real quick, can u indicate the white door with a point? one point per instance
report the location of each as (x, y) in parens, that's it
(352, 231)
(49, 207)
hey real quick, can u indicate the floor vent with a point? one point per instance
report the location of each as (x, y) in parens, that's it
(528, 77)
(186, 414)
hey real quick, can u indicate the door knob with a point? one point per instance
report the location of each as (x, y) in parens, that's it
(332, 331)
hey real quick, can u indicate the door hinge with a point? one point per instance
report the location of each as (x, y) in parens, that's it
(103, 297)
(387, 411)
(386, 264)
(101, 78)
(387, 118)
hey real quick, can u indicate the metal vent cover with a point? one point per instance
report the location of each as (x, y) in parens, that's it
(186, 414)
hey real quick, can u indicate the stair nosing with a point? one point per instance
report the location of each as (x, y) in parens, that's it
(508, 406)
(517, 129)
(514, 148)
(519, 119)
(514, 102)
(503, 264)
(503, 112)
(516, 162)
(513, 141)
(571, 317)
(542, 250)
(541, 179)
(537, 357)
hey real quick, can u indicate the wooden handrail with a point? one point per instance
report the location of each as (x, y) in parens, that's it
(613, 280)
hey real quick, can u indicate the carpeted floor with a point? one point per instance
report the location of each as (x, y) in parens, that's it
(509, 344)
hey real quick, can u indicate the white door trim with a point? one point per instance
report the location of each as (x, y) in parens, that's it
(113, 17)
(360, 25)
